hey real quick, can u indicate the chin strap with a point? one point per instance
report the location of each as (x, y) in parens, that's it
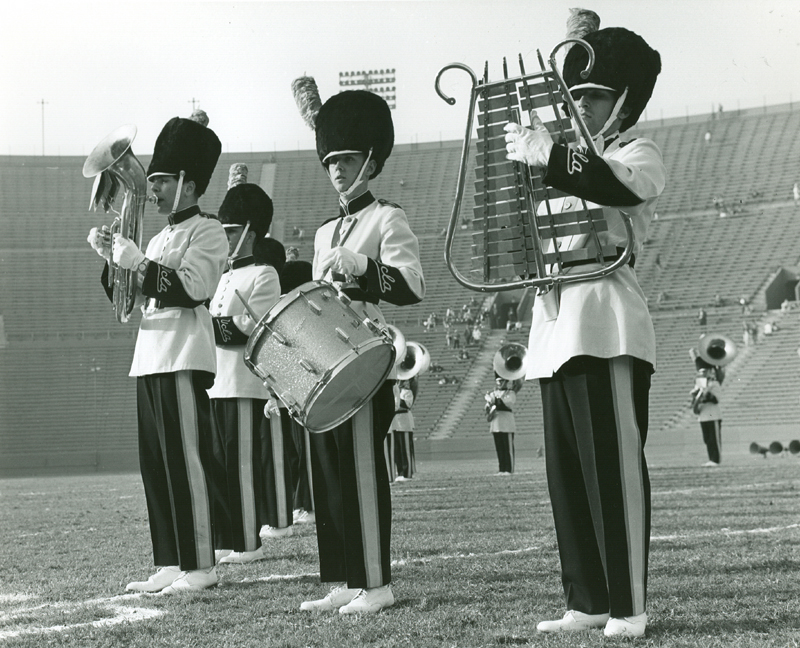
(178, 193)
(239, 243)
(600, 138)
(344, 195)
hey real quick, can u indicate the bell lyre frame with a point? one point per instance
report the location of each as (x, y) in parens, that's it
(506, 227)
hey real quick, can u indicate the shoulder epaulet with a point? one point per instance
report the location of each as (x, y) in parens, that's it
(208, 215)
(621, 144)
(389, 203)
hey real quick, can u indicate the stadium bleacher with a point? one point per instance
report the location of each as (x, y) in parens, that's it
(66, 400)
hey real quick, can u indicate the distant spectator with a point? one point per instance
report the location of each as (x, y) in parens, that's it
(463, 355)
(301, 234)
(786, 305)
(661, 297)
(448, 336)
(702, 317)
(517, 325)
(708, 137)
(436, 368)
(476, 336)
(718, 301)
(796, 194)
(658, 262)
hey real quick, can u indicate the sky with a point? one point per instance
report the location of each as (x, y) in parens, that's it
(71, 72)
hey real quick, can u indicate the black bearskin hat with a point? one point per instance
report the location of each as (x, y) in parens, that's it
(294, 274)
(622, 60)
(187, 145)
(270, 251)
(245, 202)
(355, 120)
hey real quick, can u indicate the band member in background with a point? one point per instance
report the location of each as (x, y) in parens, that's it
(705, 404)
(295, 273)
(371, 254)
(174, 360)
(249, 464)
(502, 425)
(402, 430)
(592, 343)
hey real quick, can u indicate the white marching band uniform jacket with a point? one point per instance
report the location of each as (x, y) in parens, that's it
(260, 287)
(403, 418)
(379, 230)
(187, 259)
(605, 317)
(503, 419)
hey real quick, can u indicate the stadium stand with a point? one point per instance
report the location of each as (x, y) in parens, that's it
(66, 401)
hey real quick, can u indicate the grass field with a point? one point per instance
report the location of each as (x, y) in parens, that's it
(475, 564)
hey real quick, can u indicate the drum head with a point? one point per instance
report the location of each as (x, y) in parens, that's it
(351, 385)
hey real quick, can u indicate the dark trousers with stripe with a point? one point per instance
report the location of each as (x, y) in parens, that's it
(595, 427)
(352, 496)
(278, 477)
(504, 445)
(299, 457)
(174, 458)
(712, 437)
(249, 484)
(404, 458)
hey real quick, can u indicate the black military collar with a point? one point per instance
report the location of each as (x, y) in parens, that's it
(356, 205)
(183, 214)
(241, 262)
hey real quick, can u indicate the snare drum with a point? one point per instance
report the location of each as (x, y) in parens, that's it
(319, 356)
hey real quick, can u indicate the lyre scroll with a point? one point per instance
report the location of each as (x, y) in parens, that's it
(515, 236)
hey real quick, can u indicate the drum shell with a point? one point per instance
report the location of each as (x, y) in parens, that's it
(304, 330)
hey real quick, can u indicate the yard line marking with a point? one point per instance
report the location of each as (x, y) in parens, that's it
(123, 613)
(732, 487)
(725, 532)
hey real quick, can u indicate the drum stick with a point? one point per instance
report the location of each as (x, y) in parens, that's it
(247, 306)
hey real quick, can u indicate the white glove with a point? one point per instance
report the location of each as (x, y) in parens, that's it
(100, 240)
(125, 253)
(344, 261)
(529, 145)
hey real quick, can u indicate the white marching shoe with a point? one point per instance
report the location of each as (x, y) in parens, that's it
(194, 580)
(244, 557)
(633, 626)
(301, 516)
(574, 621)
(369, 600)
(219, 554)
(164, 577)
(267, 532)
(338, 596)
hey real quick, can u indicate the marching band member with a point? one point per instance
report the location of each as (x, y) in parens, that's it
(174, 360)
(705, 404)
(502, 425)
(295, 273)
(371, 254)
(403, 429)
(248, 456)
(592, 343)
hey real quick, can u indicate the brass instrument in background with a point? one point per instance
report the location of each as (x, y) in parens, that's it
(398, 342)
(416, 361)
(511, 360)
(510, 363)
(115, 168)
(717, 350)
(776, 447)
(513, 245)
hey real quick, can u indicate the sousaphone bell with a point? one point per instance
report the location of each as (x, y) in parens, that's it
(511, 361)
(416, 360)
(716, 349)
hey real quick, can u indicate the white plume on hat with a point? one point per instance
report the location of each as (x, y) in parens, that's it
(582, 22)
(306, 96)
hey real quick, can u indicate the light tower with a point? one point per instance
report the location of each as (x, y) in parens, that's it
(380, 81)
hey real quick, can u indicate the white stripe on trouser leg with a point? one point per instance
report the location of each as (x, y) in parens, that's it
(276, 436)
(246, 482)
(630, 450)
(307, 447)
(364, 451)
(190, 437)
(718, 437)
